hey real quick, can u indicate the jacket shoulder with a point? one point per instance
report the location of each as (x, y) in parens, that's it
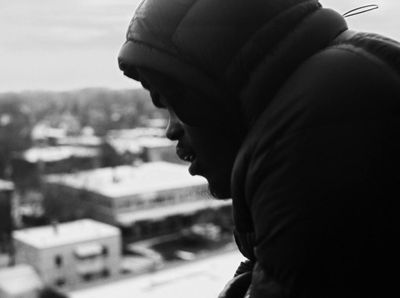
(341, 82)
(336, 86)
(346, 65)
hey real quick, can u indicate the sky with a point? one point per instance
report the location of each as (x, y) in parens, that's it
(71, 44)
(62, 44)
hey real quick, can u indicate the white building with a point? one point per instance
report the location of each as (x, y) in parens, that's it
(150, 144)
(6, 185)
(136, 133)
(158, 149)
(55, 159)
(43, 134)
(149, 199)
(70, 253)
(85, 140)
(59, 153)
(20, 282)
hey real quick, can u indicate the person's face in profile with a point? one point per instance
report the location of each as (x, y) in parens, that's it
(209, 148)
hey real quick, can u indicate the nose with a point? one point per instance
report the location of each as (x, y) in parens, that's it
(174, 130)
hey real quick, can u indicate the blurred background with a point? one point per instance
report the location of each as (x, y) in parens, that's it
(93, 201)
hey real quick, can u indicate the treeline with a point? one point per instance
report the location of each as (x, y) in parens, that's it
(99, 109)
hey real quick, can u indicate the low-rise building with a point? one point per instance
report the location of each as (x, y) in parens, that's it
(145, 200)
(6, 214)
(59, 159)
(84, 140)
(144, 143)
(70, 253)
(158, 149)
(29, 166)
(135, 133)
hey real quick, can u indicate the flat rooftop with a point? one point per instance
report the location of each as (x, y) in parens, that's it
(157, 213)
(123, 181)
(125, 145)
(65, 233)
(136, 133)
(52, 154)
(154, 142)
(132, 141)
(82, 140)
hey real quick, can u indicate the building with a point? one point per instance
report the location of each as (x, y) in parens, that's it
(65, 255)
(145, 143)
(44, 135)
(146, 200)
(20, 282)
(85, 140)
(59, 159)
(158, 149)
(28, 166)
(6, 214)
(136, 133)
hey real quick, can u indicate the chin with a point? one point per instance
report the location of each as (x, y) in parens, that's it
(219, 191)
(219, 184)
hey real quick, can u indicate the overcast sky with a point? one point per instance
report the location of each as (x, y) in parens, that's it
(69, 44)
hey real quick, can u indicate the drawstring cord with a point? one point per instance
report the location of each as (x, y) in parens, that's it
(360, 10)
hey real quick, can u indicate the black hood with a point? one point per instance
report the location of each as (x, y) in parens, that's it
(216, 47)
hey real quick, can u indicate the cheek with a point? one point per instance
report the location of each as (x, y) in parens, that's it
(213, 145)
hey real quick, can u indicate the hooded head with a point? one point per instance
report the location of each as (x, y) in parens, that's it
(205, 134)
(215, 65)
(204, 44)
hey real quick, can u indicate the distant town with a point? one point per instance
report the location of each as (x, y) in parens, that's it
(92, 191)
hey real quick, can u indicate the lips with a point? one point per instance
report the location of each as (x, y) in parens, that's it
(185, 154)
(190, 157)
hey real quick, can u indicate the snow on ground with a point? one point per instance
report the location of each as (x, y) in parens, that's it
(204, 278)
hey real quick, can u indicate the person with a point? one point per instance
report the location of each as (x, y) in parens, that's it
(295, 117)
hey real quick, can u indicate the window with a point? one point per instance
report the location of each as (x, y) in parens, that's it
(58, 260)
(86, 277)
(159, 200)
(60, 282)
(105, 251)
(105, 272)
(139, 203)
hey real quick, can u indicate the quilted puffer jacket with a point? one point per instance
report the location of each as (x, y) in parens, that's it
(315, 185)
